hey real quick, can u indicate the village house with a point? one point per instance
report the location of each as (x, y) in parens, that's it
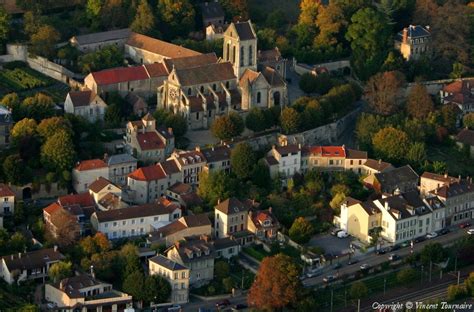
(403, 179)
(106, 195)
(231, 220)
(286, 159)
(372, 166)
(184, 194)
(120, 166)
(96, 41)
(197, 254)
(142, 80)
(263, 224)
(8, 200)
(148, 144)
(30, 265)
(458, 197)
(134, 220)
(226, 247)
(190, 163)
(176, 274)
(147, 50)
(465, 141)
(215, 32)
(358, 218)
(217, 158)
(459, 93)
(432, 181)
(273, 59)
(147, 184)
(413, 42)
(334, 158)
(86, 172)
(192, 225)
(83, 293)
(85, 103)
(6, 125)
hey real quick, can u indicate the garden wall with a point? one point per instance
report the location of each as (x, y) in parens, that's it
(301, 68)
(30, 191)
(434, 86)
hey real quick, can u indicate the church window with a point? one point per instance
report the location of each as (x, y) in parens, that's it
(233, 55)
(250, 55)
(202, 89)
(259, 97)
(214, 87)
(242, 56)
(227, 84)
(197, 116)
(228, 52)
(189, 91)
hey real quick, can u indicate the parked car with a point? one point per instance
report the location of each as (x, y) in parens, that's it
(443, 231)
(470, 231)
(174, 308)
(239, 307)
(329, 278)
(342, 234)
(381, 251)
(419, 239)
(393, 257)
(314, 272)
(337, 266)
(431, 235)
(364, 266)
(222, 304)
(464, 225)
(393, 248)
(335, 231)
(352, 261)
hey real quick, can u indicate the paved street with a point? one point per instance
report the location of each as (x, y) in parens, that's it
(195, 304)
(374, 259)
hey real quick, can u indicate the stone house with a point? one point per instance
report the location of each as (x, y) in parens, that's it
(263, 224)
(190, 163)
(458, 197)
(184, 194)
(106, 194)
(288, 158)
(459, 93)
(413, 42)
(143, 140)
(432, 181)
(86, 172)
(176, 274)
(96, 41)
(82, 293)
(120, 166)
(231, 220)
(217, 158)
(7, 197)
(85, 103)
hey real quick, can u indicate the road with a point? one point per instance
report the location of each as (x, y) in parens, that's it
(195, 304)
(373, 259)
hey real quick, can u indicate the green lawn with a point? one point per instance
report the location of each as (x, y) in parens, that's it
(256, 252)
(260, 9)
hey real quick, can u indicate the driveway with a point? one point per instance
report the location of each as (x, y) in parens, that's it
(331, 244)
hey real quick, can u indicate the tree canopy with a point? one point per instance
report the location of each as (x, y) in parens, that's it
(242, 160)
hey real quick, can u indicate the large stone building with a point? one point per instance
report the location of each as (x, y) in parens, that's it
(413, 42)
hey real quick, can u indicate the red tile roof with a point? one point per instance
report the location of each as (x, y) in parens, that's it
(81, 199)
(91, 164)
(120, 74)
(99, 184)
(150, 141)
(5, 191)
(149, 173)
(52, 208)
(81, 98)
(328, 151)
(156, 70)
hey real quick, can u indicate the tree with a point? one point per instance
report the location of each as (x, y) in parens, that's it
(369, 35)
(419, 103)
(469, 283)
(157, 289)
(38, 107)
(216, 185)
(308, 12)
(67, 229)
(390, 144)
(382, 92)
(307, 83)
(406, 276)
(312, 115)
(133, 285)
(12, 101)
(290, 120)
(22, 129)
(468, 120)
(301, 230)
(433, 252)
(131, 260)
(417, 153)
(15, 170)
(17, 243)
(144, 22)
(60, 270)
(50, 126)
(228, 126)
(43, 41)
(242, 160)
(358, 290)
(449, 115)
(58, 152)
(256, 120)
(236, 8)
(456, 292)
(221, 269)
(102, 242)
(4, 24)
(367, 125)
(178, 123)
(177, 17)
(332, 25)
(276, 285)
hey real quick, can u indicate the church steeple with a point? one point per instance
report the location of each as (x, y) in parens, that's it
(240, 47)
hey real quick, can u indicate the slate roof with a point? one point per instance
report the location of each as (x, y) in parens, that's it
(32, 260)
(244, 30)
(355, 154)
(167, 263)
(72, 285)
(157, 46)
(273, 77)
(190, 61)
(466, 136)
(196, 220)
(132, 212)
(287, 149)
(370, 208)
(415, 31)
(120, 159)
(454, 189)
(271, 161)
(104, 36)
(208, 73)
(217, 153)
(5, 191)
(226, 242)
(406, 204)
(391, 179)
(269, 55)
(191, 247)
(231, 206)
(169, 166)
(211, 9)
(81, 98)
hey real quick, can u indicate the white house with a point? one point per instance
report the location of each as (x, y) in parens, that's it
(175, 273)
(106, 194)
(7, 198)
(29, 265)
(86, 172)
(134, 220)
(85, 103)
(288, 158)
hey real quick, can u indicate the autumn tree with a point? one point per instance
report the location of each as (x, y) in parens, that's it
(390, 144)
(144, 22)
(382, 92)
(43, 41)
(38, 107)
(66, 230)
(228, 126)
(58, 152)
(290, 120)
(60, 270)
(50, 126)
(468, 120)
(4, 24)
(276, 285)
(419, 103)
(236, 9)
(242, 160)
(177, 17)
(332, 25)
(24, 128)
(301, 230)
(15, 170)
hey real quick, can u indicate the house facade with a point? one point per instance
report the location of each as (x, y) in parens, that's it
(176, 274)
(6, 125)
(413, 42)
(86, 172)
(86, 104)
(458, 198)
(7, 198)
(120, 166)
(459, 93)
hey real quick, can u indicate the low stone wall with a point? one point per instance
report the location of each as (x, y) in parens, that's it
(301, 68)
(43, 192)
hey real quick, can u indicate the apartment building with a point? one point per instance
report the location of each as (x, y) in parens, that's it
(176, 274)
(458, 198)
(120, 166)
(191, 164)
(86, 172)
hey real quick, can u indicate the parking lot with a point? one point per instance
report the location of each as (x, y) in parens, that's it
(331, 244)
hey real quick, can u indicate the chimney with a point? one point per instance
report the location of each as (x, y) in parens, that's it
(380, 161)
(55, 248)
(405, 35)
(12, 257)
(19, 255)
(170, 131)
(92, 272)
(212, 148)
(218, 201)
(446, 175)
(106, 156)
(299, 146)
(198, 149)
(387, 207)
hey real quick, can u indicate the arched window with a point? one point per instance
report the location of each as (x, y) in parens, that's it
(242, 56)
(189, 91)
(202, 89)
(233, 55)
(214, 87)
(259, 97)
(227, 56)
(250, 55)
(227, 84)
(276, 98)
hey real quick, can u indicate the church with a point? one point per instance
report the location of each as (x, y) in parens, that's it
(203, 86)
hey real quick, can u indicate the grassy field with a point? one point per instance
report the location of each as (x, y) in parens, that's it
(260, 9)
